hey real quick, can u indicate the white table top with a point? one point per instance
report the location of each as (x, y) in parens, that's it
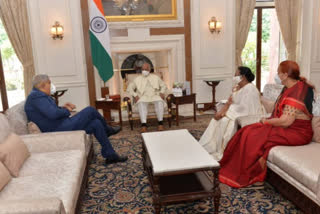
(176, 150)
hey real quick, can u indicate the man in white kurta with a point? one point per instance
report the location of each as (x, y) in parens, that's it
(148, 88)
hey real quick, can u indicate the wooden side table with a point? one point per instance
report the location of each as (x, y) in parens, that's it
(107, 106)
(213, 84)
(58, 94)
(186, 99)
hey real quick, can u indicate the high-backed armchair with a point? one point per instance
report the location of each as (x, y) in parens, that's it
(133, 112)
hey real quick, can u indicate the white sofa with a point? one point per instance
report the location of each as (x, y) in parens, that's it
(19, 124)
(295, 170)
(50, 179)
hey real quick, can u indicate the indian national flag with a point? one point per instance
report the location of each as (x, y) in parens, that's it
(100, 40)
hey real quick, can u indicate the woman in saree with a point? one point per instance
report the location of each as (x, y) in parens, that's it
(245, 100)
(244, 159)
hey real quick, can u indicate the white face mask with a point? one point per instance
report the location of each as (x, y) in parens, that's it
(53, 89)
(145, 73)
(236, 79)
(277, 79)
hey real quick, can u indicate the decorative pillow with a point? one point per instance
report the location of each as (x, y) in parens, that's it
(268, 104)
(13, 153)
(18, 119)
(5, 128)
(33, 128)
(316, 129)
(5, 176)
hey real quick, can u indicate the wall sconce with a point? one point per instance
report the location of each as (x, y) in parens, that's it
(57, 31)
(214, 25)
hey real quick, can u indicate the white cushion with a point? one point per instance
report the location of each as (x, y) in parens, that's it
(175, 151)
(5, 128)
(18, 119)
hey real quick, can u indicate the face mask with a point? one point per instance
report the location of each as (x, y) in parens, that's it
(145, 73)
(53, 89)
(237, 79)
(277, 79)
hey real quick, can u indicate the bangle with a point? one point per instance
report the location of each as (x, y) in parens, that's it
(266, 123)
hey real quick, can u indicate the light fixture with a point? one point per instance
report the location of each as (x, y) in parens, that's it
(214, 25)
(57, 31)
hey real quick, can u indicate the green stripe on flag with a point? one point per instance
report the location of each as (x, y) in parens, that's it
(101, 59)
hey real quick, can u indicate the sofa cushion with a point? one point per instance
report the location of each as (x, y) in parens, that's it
(50, 162)
(268, 104)
(13, 153)
(300, 162)
(33, 128)
(316, 129)
(5, 128)
(17, 118)
(63, 180)
(5, 176)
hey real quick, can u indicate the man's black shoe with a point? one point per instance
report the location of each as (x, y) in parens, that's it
(116, 130)
(116, 158)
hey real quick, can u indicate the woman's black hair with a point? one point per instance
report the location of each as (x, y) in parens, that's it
(245, 71)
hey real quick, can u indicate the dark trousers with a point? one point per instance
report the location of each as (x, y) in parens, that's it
(91, 121)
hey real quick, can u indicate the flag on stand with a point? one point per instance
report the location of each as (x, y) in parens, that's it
(100, 40)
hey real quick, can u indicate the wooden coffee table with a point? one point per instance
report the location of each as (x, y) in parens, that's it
(177, 167)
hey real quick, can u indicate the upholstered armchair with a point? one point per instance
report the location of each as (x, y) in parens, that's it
(133, 113)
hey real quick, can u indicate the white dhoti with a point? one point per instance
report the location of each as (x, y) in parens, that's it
(143, 110)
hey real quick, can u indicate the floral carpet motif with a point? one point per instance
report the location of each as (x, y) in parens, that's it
(123, 188)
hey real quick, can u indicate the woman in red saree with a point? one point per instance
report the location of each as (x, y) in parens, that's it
(244, 159)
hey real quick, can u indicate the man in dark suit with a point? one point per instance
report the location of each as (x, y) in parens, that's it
(43, 111)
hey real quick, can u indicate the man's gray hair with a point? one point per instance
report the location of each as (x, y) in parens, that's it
(40, 78)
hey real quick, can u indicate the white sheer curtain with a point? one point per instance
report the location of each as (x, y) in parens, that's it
(244, 13)
(287, 13)
(14, 16)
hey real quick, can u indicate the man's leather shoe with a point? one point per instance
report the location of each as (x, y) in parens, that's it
(160, 128)
(116, 158)
(116, 130)
(143, 129)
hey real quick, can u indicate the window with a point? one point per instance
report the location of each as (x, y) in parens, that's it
(264, 49)
(11, 73)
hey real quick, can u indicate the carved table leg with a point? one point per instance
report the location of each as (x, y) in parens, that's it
(156, 195)
(216, 190)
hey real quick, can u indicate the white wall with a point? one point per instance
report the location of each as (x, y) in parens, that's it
(63, 60)
(212, 54)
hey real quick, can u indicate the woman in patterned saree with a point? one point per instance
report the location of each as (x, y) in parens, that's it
(244, 159)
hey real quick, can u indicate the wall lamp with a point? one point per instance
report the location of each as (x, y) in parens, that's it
(57, 31)
(214, 25)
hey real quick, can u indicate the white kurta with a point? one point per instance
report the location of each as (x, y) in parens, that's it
(245, 101)
(148, 88)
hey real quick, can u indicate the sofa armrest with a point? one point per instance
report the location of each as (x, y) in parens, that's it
(55, 141)
(250, 119)
(32, 206)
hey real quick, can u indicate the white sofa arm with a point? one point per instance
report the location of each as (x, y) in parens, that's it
(55, 141)
(251, 119)
(32, 206)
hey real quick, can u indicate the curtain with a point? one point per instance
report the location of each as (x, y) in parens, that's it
(14, 16)
(287, 13)
(244, 13)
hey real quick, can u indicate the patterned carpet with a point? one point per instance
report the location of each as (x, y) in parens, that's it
(124, 187)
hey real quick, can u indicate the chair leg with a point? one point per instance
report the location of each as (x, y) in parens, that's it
(131, 124)
(169, 121)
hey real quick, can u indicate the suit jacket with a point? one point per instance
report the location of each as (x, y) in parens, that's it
(43, 111)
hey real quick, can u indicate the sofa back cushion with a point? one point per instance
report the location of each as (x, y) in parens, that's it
(272, 91)
(13, 153)
(5, 176)
(18, 119)
(5, 128)
(316, 118)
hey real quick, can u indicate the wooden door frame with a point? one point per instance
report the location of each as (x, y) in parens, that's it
(186, 30)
